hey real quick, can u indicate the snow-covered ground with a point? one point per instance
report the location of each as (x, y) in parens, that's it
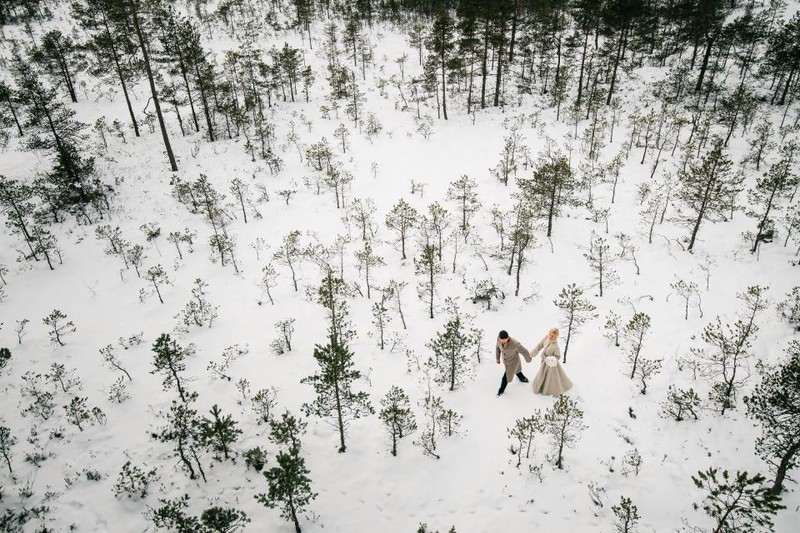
(475, 485)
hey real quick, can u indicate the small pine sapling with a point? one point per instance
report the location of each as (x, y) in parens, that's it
(283, 343)
(263, 404)
(62, 378)
(397, 416)
(168, 360)
(381, 316)
(77, 413)
(686, 291)
(680, 403)
(433, 406)
(158, 277)
(20, 329)
(133, 482)
(601, 262)
(5, 357)
(564, 423)
(577, 311)
(335, 398)
(219, 432)
(59, 326)
(646, 369)
(110, 358)
(523, 434)
(632, 462)
(268, 277)
(613, 327)
(7, 441)
(633, 335)
(626, 516)
(449, 359)
(222, 520)
(255, 458)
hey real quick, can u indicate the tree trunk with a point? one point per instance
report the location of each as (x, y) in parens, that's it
(704, 65)
(499, 80)
(763, 221)
(483, 62)
(783, 467)
(115, 56)
(616, 64)
(146, 56)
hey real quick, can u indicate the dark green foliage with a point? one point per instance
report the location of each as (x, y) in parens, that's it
(218, 432)
(222, 520)
(397, 416)
(255, 458)
(133, 482)
(333, 385)
(181, 431)
(775, 404)
(626, 516)
(737, 504)
(449, 360)
(169, 361)
(289, 484)
(5, 357)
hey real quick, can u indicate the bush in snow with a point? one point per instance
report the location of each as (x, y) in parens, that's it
(133, 482)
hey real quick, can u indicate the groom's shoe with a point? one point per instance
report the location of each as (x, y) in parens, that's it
(500, 392)
(522, 377)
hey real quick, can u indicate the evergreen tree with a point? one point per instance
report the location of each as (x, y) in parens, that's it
(111, 44)
(707, 188)
(182, 431)
(135, 11)
(770, 189)
(367, 259)
(430, 269)
(551, 188)
(402, 218)
(169, 360)
(441, 43)
(626, 516)
(397, 416)
(58, 54)
(450, 361)
(577, 310)
(289, 486)
(463, 192)
(775, 404)
(16, 200)
(7, 441)
(601, 261)
(336, 400)
(633, 336)
(564, 423)
(737, 503)
(218, 432)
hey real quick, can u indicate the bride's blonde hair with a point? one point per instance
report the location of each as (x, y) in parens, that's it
(553, 330)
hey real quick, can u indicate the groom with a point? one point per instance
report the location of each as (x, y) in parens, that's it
(510, 349)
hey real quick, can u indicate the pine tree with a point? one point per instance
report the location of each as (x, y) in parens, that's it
(402, 218)
(182, 431)
(523, 434)
(427, 265)
(111, 44)
(450, 361)
(577, 310)
(789, 309)
(775, 404)
(367, 259)
(463, 192)
(633, 336)
(770, 189)
(169, 360)
(601, 261)
(135, 13)
(58, 54)
(397, 416)
(7, 441)
(218, 432)
(564, 423)
(58, 326)
(737, 503)
(333, 386)
(289, 484)
(552, 188)
(706, 189)
(16, 199)
(291, 254)
(680, 403)
(626, 516)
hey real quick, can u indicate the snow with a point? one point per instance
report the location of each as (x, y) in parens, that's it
(475, 485)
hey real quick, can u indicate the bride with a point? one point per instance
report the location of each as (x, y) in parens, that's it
(551, 378)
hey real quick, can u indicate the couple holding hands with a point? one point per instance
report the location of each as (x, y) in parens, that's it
(551, 378)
